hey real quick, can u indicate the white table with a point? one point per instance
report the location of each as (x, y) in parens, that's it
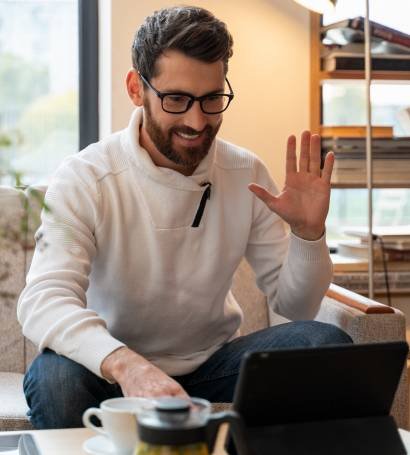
(70, 441)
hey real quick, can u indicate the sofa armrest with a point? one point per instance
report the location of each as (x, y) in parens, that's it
(357, 301)
(368, 321)
(365, 320)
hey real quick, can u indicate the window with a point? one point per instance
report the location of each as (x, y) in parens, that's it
(348, 207)
(344, 104)
(39, 64)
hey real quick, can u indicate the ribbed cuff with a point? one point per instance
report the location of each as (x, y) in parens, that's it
(94, 349)
(308, 250)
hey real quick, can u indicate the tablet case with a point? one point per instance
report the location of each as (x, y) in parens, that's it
(329, 399)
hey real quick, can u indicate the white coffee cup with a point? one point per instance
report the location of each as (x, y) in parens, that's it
(119, 421)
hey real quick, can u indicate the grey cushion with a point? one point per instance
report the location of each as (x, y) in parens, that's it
(13, 406)
(34, 195)
(250, 299)
(12, 278)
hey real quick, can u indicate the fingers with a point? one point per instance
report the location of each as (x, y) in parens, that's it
(291, 165)
(314, 161)
(304, 152)
(310, 154)
(328, 167)
(264, 195)
(176, 390)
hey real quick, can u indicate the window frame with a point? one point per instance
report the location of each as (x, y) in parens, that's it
(88, 87)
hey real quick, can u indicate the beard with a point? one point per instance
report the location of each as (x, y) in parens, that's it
(191, 156)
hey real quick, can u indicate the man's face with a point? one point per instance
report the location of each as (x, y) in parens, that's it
(185, 138)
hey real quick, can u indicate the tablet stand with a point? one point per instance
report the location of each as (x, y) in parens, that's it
(350, 436)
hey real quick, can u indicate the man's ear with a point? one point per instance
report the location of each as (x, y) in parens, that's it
(135, 87)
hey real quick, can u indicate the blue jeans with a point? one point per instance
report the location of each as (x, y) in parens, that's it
(59, 390)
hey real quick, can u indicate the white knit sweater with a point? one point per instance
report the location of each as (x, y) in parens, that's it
(119, 263)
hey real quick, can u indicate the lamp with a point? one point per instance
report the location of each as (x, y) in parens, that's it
(322, 6)
(318, 6)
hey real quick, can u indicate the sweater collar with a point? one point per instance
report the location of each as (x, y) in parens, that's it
(169, 177)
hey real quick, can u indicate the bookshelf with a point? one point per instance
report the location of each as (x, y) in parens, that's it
(385, 174)
(317, 77)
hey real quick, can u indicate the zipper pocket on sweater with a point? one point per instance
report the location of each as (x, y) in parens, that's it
(205, 196)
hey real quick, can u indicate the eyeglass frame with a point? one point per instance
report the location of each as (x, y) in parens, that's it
(162, 95)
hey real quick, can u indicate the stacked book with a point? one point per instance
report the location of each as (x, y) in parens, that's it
(390, 158)
(399, 282)
(391, 255)
(343, 47)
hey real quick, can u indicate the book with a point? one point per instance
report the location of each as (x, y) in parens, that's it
(379, 165)
(347, 264)
(387, 147)
(353, 31)
(340, 61)
(361, 250)
(377, 46)
(360, 180)
(398, 236)
(355, 131)
(399, 282)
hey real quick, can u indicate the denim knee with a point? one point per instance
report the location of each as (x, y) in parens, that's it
(320, 333)
(58, 390)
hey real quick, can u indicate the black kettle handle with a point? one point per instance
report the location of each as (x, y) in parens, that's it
(236, 426)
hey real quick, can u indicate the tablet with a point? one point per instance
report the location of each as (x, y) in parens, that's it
(316, 401)
(309, 384)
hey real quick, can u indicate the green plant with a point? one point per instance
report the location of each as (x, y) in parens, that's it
(9, 141)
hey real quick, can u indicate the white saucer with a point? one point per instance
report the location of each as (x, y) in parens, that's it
(99, 445)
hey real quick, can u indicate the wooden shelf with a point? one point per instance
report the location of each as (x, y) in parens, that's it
(376, 75)
(374, 185)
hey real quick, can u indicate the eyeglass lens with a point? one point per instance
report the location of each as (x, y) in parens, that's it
(180, 103)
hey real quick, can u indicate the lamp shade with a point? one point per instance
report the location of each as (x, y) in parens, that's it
(319, 6)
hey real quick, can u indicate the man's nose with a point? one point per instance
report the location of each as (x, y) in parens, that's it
(195, 118)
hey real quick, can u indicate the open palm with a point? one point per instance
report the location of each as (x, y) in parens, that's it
(304, 200)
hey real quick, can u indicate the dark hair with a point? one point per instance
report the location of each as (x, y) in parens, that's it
(191, 30)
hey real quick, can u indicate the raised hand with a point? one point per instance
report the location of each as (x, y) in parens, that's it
(304, 200)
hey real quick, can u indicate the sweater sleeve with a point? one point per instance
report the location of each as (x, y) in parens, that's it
(293, 273)
(52, 308)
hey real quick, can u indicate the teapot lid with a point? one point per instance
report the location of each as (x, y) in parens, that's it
(174, 421)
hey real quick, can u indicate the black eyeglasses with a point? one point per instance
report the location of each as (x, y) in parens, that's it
(178, 103)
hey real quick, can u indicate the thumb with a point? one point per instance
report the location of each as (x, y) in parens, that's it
(264, 195)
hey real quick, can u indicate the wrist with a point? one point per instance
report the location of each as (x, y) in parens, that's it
(114, 364)
(310, 235)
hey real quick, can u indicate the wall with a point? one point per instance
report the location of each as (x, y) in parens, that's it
(269, 71)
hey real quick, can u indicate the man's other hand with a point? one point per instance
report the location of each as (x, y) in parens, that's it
(138, 377)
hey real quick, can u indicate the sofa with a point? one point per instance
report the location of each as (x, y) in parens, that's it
(365, 320)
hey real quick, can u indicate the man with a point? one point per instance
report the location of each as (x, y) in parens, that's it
(147, 227)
